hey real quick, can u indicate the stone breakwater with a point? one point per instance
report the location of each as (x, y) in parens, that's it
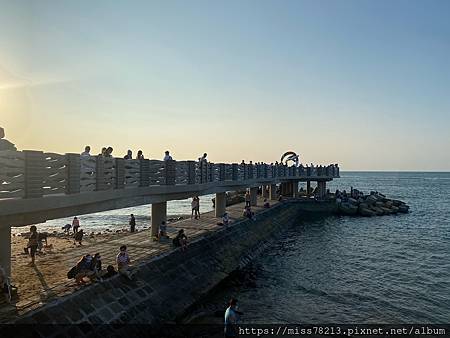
(375, 204)
(167, 285)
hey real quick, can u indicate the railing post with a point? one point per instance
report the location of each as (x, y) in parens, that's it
(191, 172)
(120, 173)
(250, 171)
(235, 170)
(100, 169)
(73, 173)
(222, 173)
(144, 178)
(210, 172)
(34, 173)
(170, 171)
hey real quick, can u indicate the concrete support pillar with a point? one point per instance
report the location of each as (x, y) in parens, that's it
(253, 196)
(308, 188)
(265, 192)
(321, 188)
(220, 204)
(159, 214)
(273, 192)
(295, 188)
(5, 248)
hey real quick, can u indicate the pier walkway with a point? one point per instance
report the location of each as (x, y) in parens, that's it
(36, 186)
(48, 279)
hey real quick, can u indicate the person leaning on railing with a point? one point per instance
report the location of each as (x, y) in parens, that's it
(5, 144)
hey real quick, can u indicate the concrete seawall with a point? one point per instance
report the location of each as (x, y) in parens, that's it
(167, 285)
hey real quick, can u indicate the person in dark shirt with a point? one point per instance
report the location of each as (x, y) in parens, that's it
(132, 223)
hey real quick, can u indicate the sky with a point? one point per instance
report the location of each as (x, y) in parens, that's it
(365, 84)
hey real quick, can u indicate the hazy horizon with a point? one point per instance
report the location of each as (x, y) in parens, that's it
(361, 83)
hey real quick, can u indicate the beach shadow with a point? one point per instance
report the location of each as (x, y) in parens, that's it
(47, 291)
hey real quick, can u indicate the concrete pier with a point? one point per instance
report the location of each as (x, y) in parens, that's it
(159, 214)
(220, 204)
(5, 249)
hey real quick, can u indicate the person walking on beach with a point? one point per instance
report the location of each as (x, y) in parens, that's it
(231, 318)
(247, 198)
(86, 152)
(139, 155)
(167, 156)
(132, 223)
(75, 225)
(123, 261)
(194, 207)
(197, 208)
(129, 155)
(33, 243)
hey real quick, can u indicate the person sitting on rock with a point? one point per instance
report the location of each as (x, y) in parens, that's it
(180, 240)
(123, 261)
(162, 230)
(96, 266)
(249, 213)
(110, 272)
(82, 269)
(5, 144)
(225, 220)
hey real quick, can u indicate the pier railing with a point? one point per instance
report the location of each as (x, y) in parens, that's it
(32, 174)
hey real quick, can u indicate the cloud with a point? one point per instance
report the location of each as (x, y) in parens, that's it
(30, 83)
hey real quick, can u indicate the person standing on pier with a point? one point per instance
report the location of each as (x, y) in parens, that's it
(132, 223)
(139, 156)
(129, 155)
(5, 144)
(167, 156)
(86, 152)
(109, 151)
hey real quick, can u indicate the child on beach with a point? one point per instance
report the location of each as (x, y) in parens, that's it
(33, 243)
(75, 225)
(78, 237)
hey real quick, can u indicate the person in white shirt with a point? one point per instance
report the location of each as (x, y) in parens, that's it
(167, 156)
(123, 261)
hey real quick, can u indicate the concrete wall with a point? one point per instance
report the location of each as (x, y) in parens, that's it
(167, 285)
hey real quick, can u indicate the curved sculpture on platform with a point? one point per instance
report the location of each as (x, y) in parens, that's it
(290, 156)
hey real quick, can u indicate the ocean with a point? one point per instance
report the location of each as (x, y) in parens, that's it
(342, 269)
